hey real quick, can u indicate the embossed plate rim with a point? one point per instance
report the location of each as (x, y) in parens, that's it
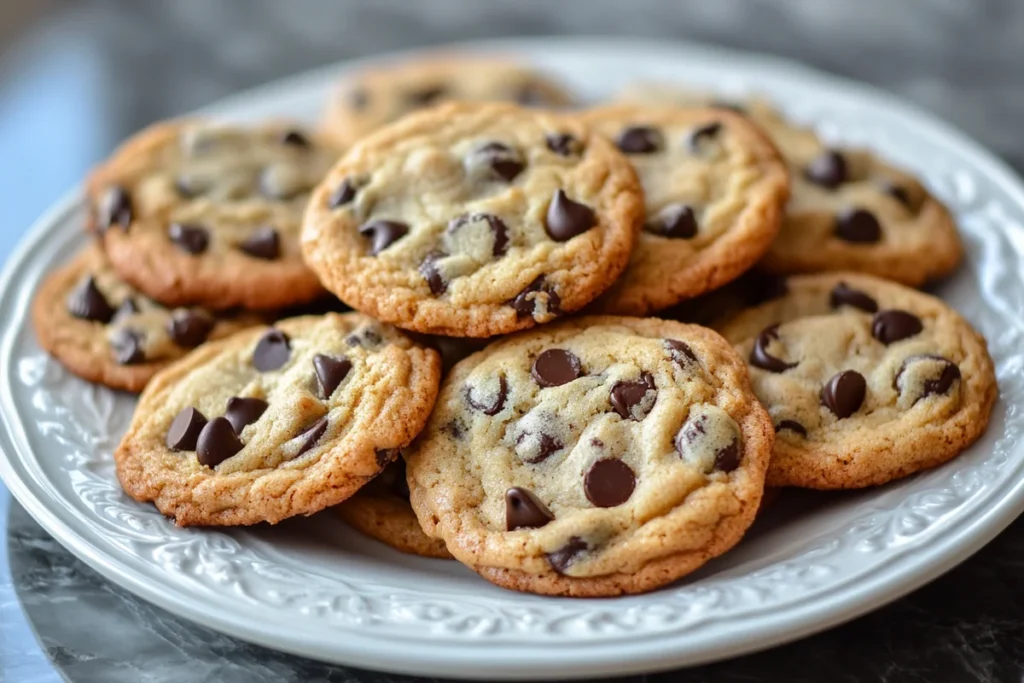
(645, 650)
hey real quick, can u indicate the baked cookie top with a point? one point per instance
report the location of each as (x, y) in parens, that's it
(196, 212)
(597, 456)
(714, 189)
(276, 422)
(105, 331)
(474, 219)
(866, 380)
(370, 98)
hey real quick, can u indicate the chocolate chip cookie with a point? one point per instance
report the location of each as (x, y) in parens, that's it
(192, 212)
(105, 331)
(866, 380)
(598, 456)
(373, 97)
(276, 422)
(715, 189)
(473, 220)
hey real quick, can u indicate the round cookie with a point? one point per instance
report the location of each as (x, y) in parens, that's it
(105, 331)
(866, 380)
(381, 511)
(276, 422)
(193, 212)
(472, 220)
(368, 99)
(715, 189)
(596, 457)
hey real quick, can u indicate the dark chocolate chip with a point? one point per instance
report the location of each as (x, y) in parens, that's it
(498, 228)
(424, 96)
(859, 226)
(192, 239)
(504, 162)
(495, 405)
(561, 559)
(563, 144)
(627, 395)
(675, 220)
(244, 411)
(272, 350)
(217, 442)
(383, 233)
(330, 372)
(366, 337)
(609, 482)
(546, 446)
(894, 325)
(897, 192)
(844, 295)
(87, 302)
(759, 356)
(430, 272)
(115, 209)
(263, 243)
(189, 328)
(844, 393)
(127, 309)
(948, 374)
(728, 458)
(681, 352)
(183, 433)
(706, 132)
(525, 306)
(295, 139)
(455, 428)
(523, 510)
(791, 425)
(640, 140)
(828, 169)
(127, 345)
(343, 194)
(312, 435)
(556, 367)
(566, 219)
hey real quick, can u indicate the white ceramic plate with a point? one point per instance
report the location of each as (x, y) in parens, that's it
(314, 587)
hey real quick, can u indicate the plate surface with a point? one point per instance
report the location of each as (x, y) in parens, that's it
(316, 588)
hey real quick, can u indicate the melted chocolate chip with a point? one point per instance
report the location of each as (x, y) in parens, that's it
(503, 161)
(343, 194)
(858, 226)
(498, 228)
(828, 170)
(127, 345)
(217, 442)
(759, 356)
(383, 233)
(545, 444)
(948, 374)
(87, 302)
(706, 132)
(791, 425)
(563, 144)
(525, 305)
(295, 139)
(897, 192)
(727, 458)
(430, 272)
(183, 433)
(497, 402)
(681, 352)
(625, 396)
(561, 559)
(312, 435)
(188, 328)
(115, 209)
(244, 411)
(844, 393)
(675, 220)
(844, 295)
(695, 429)
(330, 372)
(556, 367)
(523, 510)
(566, 219)
(894, 325)
(640, 140)
(272, 351)
(609, 483)
(263, 243)
(192, 239)
(366, 337)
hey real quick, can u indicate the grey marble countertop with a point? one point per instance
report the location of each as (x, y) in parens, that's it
(76, 77)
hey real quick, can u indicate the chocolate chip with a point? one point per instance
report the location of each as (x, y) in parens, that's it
(561, 559)
(272, 350)
(383, 233)
(897, 192)
(115, 209)
(262, 244)
(330, 372)
(759, 356)
(894, 325)
(295, 139)
(640, 140)
(184, 430)
(681, 352)
(844, 393)
(343, 194)
(691, 440)
(497, 402)
(455, 428)
(498, 228)
(609, 482)
(127, 309)
(758, 287)
(556, 367)
(523, 510)
(858, 226)
(387, 456)
(190, 238)
(675, 220)
(366, 337)
(430, 272)
(188, 328)
(525, 305)
(844, 295)
(727, 458)
(535, 448)
(701, 133)
(87, 302)
(425, 96)
(625, 396)
(127, 345)
(828, 169)
(791, 425)
(564, 144)
(312, 436)
(566, 219)
(948, 373)
(503, 161)
(244, 411)
(217, 442)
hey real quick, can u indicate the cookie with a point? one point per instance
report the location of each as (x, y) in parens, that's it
(866, 380)
(105, 331)
(595, 457)
(849, 210)
(193, 212)
(381, 511)
(368, 99)
(472, 220)
(715, 189)
(276, 422)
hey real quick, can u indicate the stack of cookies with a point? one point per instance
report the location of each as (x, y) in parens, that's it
(501, 393)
